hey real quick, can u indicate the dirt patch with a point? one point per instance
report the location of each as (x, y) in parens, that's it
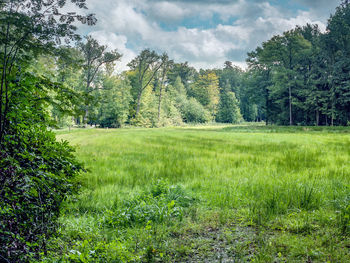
(231, 244)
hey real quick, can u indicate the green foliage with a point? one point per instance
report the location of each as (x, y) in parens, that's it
(115, 99)
(160, 204)
(206, 91)
(36, 173)
(95, 56)
(192, 111)
(170, 114)
(145, 67)
(92, 251)
(303, 74)
(228, 109)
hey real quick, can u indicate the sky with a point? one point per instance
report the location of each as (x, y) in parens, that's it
(206, 33)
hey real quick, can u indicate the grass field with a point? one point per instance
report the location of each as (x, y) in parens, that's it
(209, 194)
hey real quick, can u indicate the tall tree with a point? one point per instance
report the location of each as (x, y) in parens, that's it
(184, 71)
(206, 91)
(228, 109)
(259, 80)
(29, 28)
(36, 171)
(337, 40)
(163, 72)
(281, 56)
(146, 66)
(95, 56)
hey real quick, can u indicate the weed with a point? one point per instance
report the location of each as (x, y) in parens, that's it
(159, 204)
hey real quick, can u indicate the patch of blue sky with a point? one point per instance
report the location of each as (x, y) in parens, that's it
(199, 22)
(207, 21)
(290, 5)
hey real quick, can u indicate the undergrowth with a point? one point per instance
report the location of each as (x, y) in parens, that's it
(162, 203)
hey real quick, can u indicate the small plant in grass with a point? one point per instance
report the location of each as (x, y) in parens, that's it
(161, 203)
(102, 251)
(344, 217)
(284, 199)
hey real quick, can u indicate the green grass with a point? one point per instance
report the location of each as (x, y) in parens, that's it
(255, 193)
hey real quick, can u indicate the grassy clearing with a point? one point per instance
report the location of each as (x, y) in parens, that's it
(209, 194)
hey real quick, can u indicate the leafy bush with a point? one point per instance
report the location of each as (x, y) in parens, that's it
(192, 110)
(228, 110)
(36, 173)
(115, 98)
(34, 179)
(160, 204)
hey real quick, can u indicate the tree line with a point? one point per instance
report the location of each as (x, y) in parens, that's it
(297, 78)
(155, 91)
(302, 76)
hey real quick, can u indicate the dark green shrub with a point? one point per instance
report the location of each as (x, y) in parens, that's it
(36, 174)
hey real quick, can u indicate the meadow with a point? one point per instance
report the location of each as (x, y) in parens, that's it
(208, 194)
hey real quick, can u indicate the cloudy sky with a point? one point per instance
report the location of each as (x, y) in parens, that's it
(203, 32)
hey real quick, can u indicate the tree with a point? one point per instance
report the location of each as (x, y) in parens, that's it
(259, 80)
(146, 65)
(337, 43)
(193, 111)
(30, 28)
(206, 91)
(186, 73)
(36, 171)
(228, 65)
(164, 69)
(228, 109)
(281, 56)
(95, 56)
(294, 46)
(115, 99)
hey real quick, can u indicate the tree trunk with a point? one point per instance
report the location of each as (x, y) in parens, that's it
(267, 107)
(138, 103)
(159, 102)
(290, 106)
(3, 82)
(332, 120)
(317, 117)
(86, 115)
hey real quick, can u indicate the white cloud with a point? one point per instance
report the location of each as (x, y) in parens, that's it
(166, 11)
(116, 42)
(133, 25)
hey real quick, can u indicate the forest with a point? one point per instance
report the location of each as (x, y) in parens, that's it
(297, 78)
(235, 170)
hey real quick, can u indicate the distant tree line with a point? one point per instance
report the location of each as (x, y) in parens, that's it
(155, 92)
(298, 78)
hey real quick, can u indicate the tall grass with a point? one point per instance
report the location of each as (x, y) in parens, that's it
(292, 179)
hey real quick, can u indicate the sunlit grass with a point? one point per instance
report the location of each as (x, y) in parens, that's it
(294, 180)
